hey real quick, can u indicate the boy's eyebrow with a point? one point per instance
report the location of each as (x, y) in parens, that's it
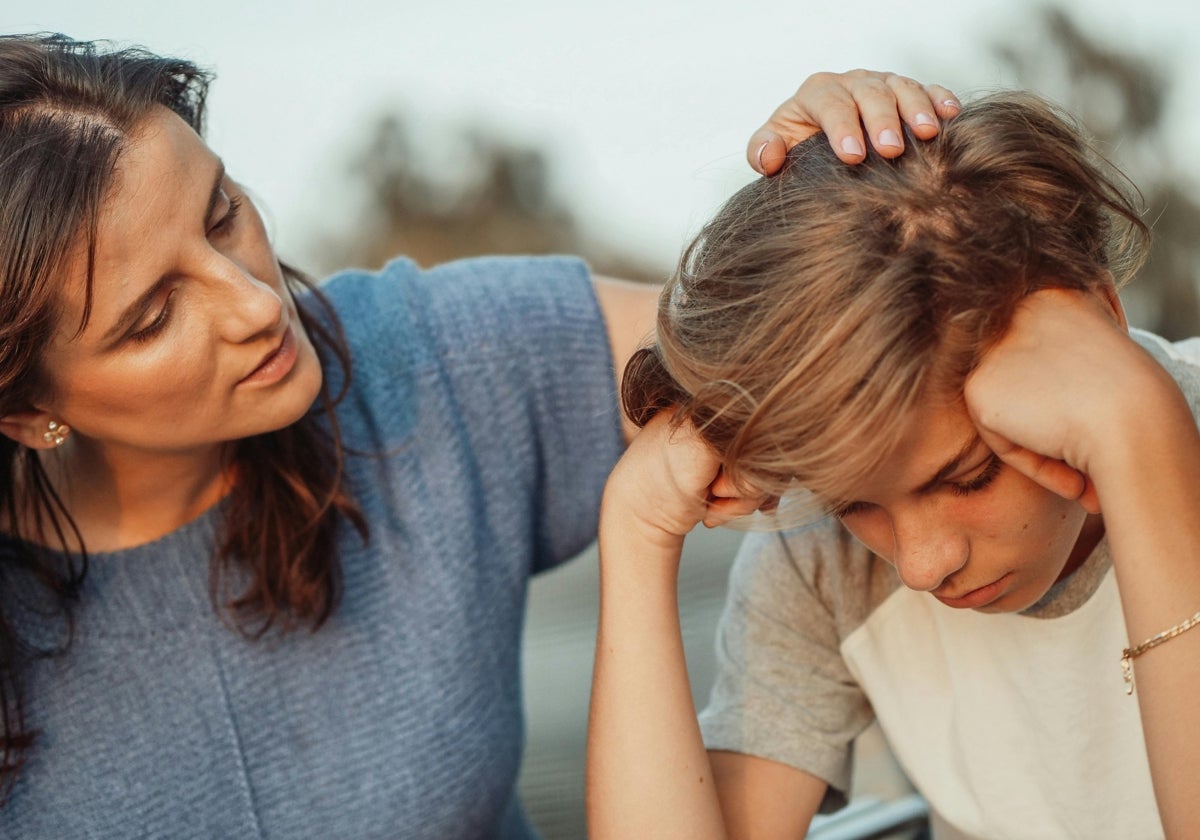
(952, 466)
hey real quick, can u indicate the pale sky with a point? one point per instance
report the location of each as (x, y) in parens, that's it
(645, 105)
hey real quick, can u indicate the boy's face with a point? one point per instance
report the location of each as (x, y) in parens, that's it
(957, 522)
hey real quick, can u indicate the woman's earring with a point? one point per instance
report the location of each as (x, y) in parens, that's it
(56, 433)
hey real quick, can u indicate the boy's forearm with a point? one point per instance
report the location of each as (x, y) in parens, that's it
(1148, 493)
(648, 772)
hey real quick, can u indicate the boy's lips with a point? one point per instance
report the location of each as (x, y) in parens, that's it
(975, 598)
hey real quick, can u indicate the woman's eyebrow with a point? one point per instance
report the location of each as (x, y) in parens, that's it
(952, 466)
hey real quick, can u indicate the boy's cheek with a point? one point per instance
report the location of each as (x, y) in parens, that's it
(872, 529)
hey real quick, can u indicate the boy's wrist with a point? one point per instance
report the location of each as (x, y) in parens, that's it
(624, 520)
(1145, 425)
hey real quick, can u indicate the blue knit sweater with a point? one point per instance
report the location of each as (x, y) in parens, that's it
(484, 390)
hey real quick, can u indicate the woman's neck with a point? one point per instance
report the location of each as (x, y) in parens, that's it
(120, 497)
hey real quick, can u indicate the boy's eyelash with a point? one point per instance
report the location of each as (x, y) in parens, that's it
(979, 482)
(235, 204)
(959, 488)
(842, 511)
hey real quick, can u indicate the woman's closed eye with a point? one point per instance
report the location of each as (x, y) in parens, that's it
(225, 223)
(157, 325)
(221, 227)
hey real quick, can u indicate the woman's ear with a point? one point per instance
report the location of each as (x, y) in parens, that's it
(35, 429)
(1107, 292)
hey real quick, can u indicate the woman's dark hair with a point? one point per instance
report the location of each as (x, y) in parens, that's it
(67, 111)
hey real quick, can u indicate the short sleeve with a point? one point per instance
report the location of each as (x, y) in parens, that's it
(1181, 359)
(783, 691)
(503, 366)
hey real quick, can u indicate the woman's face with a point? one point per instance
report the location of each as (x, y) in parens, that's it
(957, 522)
(193, 338)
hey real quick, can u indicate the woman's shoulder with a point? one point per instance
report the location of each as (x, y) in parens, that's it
(460, 302)
(511, 311)
(515, 315)
(509, 352)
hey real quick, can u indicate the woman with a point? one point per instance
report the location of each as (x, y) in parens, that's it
(242, 591)
(933, 347)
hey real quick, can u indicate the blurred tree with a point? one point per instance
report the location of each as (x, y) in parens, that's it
(490, 197)
(1121, 97)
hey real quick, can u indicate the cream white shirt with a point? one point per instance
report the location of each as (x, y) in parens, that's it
(1012, 726)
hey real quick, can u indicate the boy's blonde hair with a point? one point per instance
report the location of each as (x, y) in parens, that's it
(821, 304)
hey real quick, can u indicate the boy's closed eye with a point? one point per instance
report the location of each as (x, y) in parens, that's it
(975, 480)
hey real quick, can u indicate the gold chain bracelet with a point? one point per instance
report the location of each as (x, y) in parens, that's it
(1133, 653)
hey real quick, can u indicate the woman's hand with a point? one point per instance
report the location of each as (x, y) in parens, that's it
(841, 104)
(1054, 395)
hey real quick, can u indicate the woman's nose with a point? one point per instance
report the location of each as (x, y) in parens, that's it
(251, 307)
(926, 554)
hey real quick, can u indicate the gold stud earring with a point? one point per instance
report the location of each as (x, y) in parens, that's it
(56, 433)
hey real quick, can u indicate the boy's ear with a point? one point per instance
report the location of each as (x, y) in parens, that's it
(35, 429)
(1107, 292)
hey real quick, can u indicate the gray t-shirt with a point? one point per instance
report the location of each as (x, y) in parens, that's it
(483, 393)
(1010, 725)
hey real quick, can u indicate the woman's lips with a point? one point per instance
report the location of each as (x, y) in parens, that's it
(277, 364)
(976, 598)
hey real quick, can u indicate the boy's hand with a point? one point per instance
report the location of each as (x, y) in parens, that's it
(669, 480)
(1056, 392)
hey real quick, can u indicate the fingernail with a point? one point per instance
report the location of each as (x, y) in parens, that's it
(924, 119)
(851, 146)
(887, 137)
(952, 103)
(758, 156)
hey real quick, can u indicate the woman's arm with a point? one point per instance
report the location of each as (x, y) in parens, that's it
(1067, 391)
(629, 312)
(648, 772)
